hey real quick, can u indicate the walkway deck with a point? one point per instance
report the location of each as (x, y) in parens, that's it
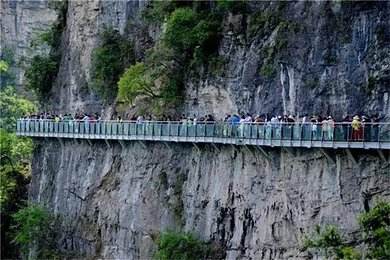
(371, 136)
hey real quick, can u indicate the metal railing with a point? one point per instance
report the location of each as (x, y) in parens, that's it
(368, 135)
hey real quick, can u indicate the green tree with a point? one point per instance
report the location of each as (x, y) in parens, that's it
(374, 226)
(181, 246)
(3, 66)
(12, 107)
(135, 82)
(109, 60)
(179, 32)
(376, 230)
(41, 74)
(35, 226)
(330, 240)
(15, 158)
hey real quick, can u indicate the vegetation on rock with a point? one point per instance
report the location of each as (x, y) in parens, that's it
(190, 39)
(177, 245)
(6, 61)
(43, 69)
(35, 229)
(374, 231)
(109, 60)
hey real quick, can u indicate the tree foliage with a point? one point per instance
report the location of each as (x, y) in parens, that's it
(375, 230)
(109, 60)
(12, 107)
(182, 246)
(190, 38)
(15, 154)
(134, 82)
(7, 78)
(35, 226)
(41, 74)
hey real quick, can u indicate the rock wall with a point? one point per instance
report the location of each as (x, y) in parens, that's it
(85, 20)
(20, 24)
(115, 198)
(326, 57)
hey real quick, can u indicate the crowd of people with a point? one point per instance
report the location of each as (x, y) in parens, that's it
(357, 127)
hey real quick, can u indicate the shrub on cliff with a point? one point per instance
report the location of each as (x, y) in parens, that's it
(109, 60)
(41, 75)
(187, 30)
(375, 231)
(178, 245)
(35, 229)
(134, 82)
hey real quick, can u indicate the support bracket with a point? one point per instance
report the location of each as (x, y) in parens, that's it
(351, 156)
(107, 143)
(327, 155)
(215, 147)
(264, 152)
(167, 145)
(289, 150)
(142, 144)
(122, 143)
(382, 156)
(60, 141)
(196, 147)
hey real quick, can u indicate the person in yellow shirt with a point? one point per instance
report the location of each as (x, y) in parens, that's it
(356, 128)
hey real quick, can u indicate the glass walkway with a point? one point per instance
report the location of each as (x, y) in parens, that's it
(342, 135)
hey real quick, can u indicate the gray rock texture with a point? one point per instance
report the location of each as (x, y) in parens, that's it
(115, 199)
(327, 58)
(320, 57)
(20, 24)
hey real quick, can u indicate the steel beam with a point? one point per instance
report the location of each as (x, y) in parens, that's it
(382, 156)
(351, 156)
(196, 147)
(327, 155)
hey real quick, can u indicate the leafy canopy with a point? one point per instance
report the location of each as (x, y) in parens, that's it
(135, 81)
(375, 228)
(108, 62)
(3, 66)
(185, 246)
(187, 30)
(34, 224)
(13, 107)
(41, 74)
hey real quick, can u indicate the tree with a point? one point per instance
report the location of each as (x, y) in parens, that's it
(376, 230)
(374, 226)
(12, 107)
(41, 74)
(35, 226)
(135, 82)
(172, 245)
(3, 66)
(109, 60)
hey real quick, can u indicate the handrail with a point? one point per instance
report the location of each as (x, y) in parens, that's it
(197, 122)
(368, 135)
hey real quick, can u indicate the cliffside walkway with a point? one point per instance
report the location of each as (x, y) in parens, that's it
(370, 136)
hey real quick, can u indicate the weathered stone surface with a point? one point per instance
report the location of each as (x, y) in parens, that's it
(21, 22)
(334, 60)
(114, 199)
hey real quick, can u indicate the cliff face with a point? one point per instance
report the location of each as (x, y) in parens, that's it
(115, 198)
(320, 57)
(20, 24)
